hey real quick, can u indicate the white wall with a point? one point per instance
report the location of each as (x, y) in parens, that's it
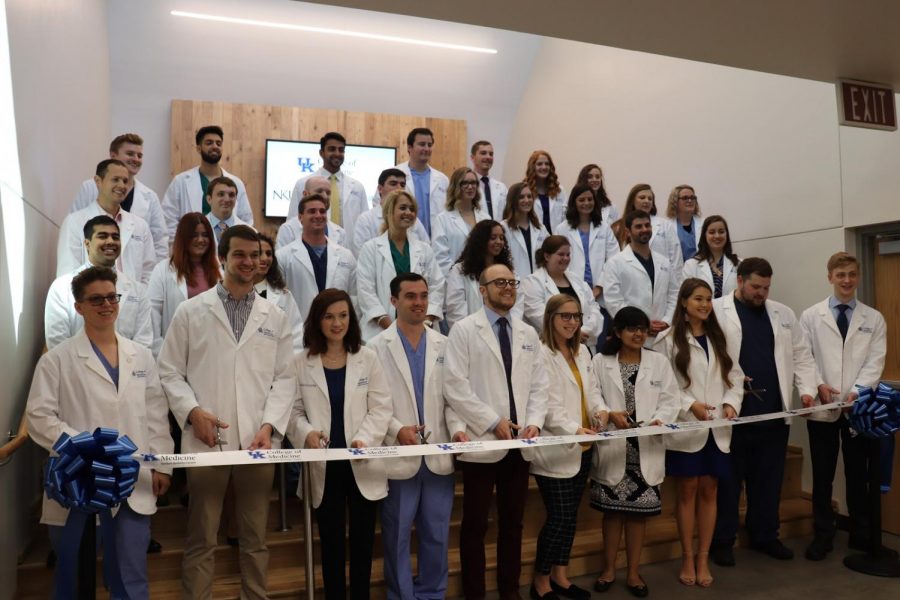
(60, 76)
(156, 57)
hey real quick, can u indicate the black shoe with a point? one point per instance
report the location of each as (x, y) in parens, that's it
(233, 542)
(818, 549)
(775, 549)
(154, 547)
(722, 556)
(862, 545)
(638, 591)
(601, 585)
(573, 591)
(535, 596)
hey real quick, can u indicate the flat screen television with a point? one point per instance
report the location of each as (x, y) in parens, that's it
(290, 160)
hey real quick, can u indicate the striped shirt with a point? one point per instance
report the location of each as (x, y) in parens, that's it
(238, 311)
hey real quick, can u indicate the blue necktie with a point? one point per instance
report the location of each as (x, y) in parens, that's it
(506, 353)
(842, 322)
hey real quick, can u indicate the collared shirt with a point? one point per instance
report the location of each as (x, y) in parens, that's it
(214, 221)
(833, 304)
(492, 319)
(416, 359)
(238, 311)
(422, 189)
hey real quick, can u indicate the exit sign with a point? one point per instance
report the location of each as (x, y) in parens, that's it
(864, 104)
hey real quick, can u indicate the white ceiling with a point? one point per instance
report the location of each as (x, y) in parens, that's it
(814, 39)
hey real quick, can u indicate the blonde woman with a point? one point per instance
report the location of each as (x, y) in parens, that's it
(463, 211)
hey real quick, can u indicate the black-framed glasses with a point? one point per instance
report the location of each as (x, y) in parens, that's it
(99, 300)
(568, 316)
(502, 283)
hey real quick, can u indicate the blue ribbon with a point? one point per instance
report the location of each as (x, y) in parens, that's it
(91, 474)
(876, 413)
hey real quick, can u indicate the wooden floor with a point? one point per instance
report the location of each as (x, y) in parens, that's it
(287, 576)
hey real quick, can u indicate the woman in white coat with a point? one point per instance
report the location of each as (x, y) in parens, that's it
(549, 196)
(639, 388)
(715, 261)
(453, 225)
(343, 401)
(485, 246)
(592, 176)
(524, 231)
(683, 213)
(575, 406)
(271, 286)
(664, 239)
(388, 255)
(711, 387)
(192, 269)
(553, 277)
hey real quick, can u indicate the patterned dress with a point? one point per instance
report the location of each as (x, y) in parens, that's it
(632, 495)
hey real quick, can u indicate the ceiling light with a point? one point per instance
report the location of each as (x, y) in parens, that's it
(343, 32)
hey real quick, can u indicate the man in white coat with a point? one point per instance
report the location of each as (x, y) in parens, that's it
(492, 190)
(315, 262)
(765, 339)
(138, 256)
(368, 225)
(427, 185)
(100, 379)
(62, 320)
(221, 195)
(140, 200)
(849, 343)
(187, 192)
(420, 490)
(292, 229)
(496, 382)
(226, 366)
(640, 277)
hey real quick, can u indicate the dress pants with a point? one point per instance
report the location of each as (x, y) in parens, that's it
(757, 454)
(207, 486)
(510, 475)
(341, 493)
(824, 440)
(562, 497)
(426, 499)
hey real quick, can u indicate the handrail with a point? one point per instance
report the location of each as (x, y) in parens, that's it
(14, 443)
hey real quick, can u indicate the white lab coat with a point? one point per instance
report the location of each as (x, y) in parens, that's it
(284, 300)
(367, 414)
(71, 392)
(165, 292)
(185, 195)
(448, 238)
(538, 288)
(558, 205)
(145, 205)
(793, 359)
(62, 321)
(498, 197)
(353, 201)
(665, 241)
(610, 214)
(437, 196)
(475, 381)
(706, 386)
(245, 383)
(292, 230)
(463, 296)
(440, 420)
(373, 280)
(518, 251)
(845, 364)
(297, 268)
(602, 246)
(564, 408)
(368, 227)
(625, 283)
(701, 270)
(138, 255)
(655, 397)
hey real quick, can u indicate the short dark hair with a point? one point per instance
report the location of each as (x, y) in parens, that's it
(103, 166)
(125, 138)
(331, 135)
(206, 130)
(411, 137)
(243, 232)
(392, 172)
(222, 180)
(401, 278)
(478, 145)
(88, 229)
(754, 266)
(550, 246)
(89, 276)
(629, 316)
(634, 215)
(311, 198)
(313, 338)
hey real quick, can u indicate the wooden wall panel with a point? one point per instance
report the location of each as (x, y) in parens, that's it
(247, 126)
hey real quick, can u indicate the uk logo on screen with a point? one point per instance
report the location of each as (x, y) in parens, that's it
(306, 164)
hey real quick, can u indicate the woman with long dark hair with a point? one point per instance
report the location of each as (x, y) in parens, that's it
(715, 261)
(270, 285)
(592, 176)
(524, 231)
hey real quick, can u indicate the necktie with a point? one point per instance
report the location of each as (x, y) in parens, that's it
(506, 353)
(335, 199)
(842, 322)
(487, 195)
(221, 228)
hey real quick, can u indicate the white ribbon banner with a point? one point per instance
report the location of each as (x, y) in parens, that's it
(256, 457)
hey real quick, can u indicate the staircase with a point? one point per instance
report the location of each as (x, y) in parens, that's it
(286, 549)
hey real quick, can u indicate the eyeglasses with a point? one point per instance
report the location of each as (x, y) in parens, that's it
(566, 316)
(502, 283)
(691, 198)
(636, 329)
(99, 300)
(468, 183)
